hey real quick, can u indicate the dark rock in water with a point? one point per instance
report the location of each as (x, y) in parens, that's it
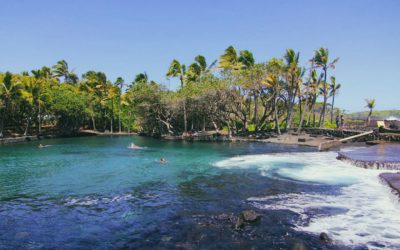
(325, 238)
(239, 223)
(226, 217)
(185, 246)
(249, 216)
(299, 246)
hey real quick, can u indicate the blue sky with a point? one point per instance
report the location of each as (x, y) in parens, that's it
(123, 38)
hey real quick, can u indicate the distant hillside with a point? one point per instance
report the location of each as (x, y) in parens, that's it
(376, 115)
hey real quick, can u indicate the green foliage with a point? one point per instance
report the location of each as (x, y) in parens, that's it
(265, 95)
(69, 106)
(251, 127)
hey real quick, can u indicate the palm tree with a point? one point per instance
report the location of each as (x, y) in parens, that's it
(119, 83)
(30, 94)
(229, 61)
(306, 96)
(333, 91)
(293, 76)
(9, 91)
(370, 105)
(142, 77)
(274, 83)
(321, 59)
(232, 64)
(176, 69)
(61, 70)
(38, 78)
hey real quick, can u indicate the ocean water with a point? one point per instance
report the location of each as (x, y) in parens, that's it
(95, 192)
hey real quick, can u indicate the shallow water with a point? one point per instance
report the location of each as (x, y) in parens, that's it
(96, 193)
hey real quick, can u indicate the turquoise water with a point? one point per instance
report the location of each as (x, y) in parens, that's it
(95, 192)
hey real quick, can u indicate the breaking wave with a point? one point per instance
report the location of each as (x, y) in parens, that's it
(364, 211)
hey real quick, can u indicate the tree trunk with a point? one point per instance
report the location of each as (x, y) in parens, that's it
(322, 118)
(204, 123)
(256, 110)
(27, 125)
(333, 103)
(39, 119)
(184, 116)
(112, 116)
(119, 116)
(2, 122)
(369, 117)
(129, 121)
(278, 131)
(93, 123)
(303, 113)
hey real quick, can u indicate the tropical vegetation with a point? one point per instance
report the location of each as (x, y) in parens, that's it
(235, 93)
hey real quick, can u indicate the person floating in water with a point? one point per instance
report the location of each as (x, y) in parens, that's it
(43, 146)
(163, 160)
(133, 146)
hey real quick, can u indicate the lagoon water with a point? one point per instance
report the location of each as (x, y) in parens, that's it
(94, 192)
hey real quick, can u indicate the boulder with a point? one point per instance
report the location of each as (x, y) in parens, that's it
(325, 238)
(301, 139)
(249, 216)
(299, 246)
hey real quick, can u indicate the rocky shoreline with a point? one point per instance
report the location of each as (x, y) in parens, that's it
(21, 139)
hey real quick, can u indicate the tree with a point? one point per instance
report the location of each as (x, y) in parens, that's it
(119, 83)
(321, 60)
(370, 105)
(9, 91)
(333, 91)
(176, 69)
(293, 78)
(61, 70)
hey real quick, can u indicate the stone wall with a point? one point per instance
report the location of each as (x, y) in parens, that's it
(340, 133)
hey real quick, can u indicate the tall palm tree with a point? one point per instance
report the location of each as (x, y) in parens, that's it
(30, 94)
(274, 83)
(321, 59)
(61, 70)
(38, 81)
(370, 105)
(230, 61)
(176, 69)
(9, 91)
(306, 94)
(119, 82)
(293, 76)
(233, 63)
(333, 91)
(142, 77)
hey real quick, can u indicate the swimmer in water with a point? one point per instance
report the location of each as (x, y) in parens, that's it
(162, 160)
(133, 146)
(40, 145)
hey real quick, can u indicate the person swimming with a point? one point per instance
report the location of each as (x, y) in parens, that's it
(163, 160)
(43, 146)
(133, 146)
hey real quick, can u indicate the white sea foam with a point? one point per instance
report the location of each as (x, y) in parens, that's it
(368, 210)
(87, 201)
